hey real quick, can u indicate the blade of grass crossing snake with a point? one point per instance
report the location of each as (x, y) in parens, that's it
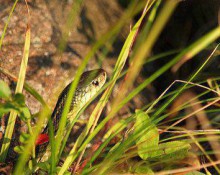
(90, 83)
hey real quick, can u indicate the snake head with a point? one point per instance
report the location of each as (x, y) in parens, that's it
(90, 83)
(94, 79)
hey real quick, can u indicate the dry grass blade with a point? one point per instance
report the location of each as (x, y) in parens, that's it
(144, 50)
(201, 116)
(19, 88)
(104, 99)
(188, 169)
(122, 59)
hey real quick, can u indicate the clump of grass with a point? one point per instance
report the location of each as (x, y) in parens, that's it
(148, 146)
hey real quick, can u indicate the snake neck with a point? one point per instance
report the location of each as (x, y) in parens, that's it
(57, 112)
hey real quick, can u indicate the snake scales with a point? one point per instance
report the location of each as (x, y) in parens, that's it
(90, 83)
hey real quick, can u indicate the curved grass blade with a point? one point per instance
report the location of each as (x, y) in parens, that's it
(118, 68)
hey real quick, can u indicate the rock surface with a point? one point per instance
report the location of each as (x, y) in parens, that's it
(48, 68)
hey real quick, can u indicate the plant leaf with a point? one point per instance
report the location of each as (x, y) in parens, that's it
(19, 149)
(172, 150)
(19, 99)
(4, 111)
(144, 169)
(24, 113)
(195, 173)
(148, 140)
(24, 137)
(7, 107)
(5, 91)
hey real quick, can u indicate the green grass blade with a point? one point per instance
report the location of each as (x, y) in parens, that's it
(154, 76)
(118, 68)
(96, 46)
(24, 157)
(105, 120)
(6, 25)
(193, 49)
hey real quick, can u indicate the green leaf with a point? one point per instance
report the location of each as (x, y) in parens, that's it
(195, 173)
(24, 113)
(24, 137)
(7, 107)
(148, 140)
(19, 99)
(144, 169)
(19, 102)
(44, 166)
(19, 149)
(172, 150)
(4, 111)
(5, 91)
(18, 105)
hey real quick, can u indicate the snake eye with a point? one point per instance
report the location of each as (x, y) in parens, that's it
(95, 83)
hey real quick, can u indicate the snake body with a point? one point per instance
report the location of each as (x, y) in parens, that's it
(90, 83)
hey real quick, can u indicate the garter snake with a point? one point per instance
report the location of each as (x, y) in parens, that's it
(90, 83)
